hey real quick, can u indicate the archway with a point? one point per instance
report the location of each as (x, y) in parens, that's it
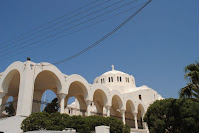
(129, 117)
(44, 82)
(10, 85)
(77, 91)
(100, 100)
(140, 116)
(115, 110)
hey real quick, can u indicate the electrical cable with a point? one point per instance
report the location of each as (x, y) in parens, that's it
(65, 25)
(52, 26)
(51, 21)
(103, 38)
(79, 29)
(67, 29)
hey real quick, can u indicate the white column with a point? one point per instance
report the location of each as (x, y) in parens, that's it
(108, 110)
(135, 118)
(88, 103)
(1, 99)
(25, 96)
(36, 107)
(62, 102)
(123, 115)
(103, 110)
(144, 123)
(15, 103)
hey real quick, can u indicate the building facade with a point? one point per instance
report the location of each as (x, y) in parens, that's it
(114, 93)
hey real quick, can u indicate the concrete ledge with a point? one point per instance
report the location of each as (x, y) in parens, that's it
(50, 132)
(139, 130)
(11, 124)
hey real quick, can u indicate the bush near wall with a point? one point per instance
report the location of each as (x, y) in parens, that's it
(58, 122)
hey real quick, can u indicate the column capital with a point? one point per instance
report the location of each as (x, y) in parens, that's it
(62, 95)
(135, 113)
(107, 106)
(122, 110)
(88, 102)
(2, 95)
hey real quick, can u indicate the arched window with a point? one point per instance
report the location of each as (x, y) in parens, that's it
(112, 79)
(101, 81)
(120, 79)
(109, 79)
(117, 79)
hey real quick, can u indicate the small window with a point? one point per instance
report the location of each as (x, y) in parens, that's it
(69, 111)
(120, 79)
(101, 81)
(117, 79)
(109, 79)
(140, 97)
(112, 79)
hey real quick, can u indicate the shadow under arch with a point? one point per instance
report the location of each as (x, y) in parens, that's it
(100, 100)
(45, 80)
(78, 90)
(129, 116)
(116, 106)
(10, 86)
(140, 115)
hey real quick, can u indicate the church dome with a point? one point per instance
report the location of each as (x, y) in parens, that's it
(116, 80)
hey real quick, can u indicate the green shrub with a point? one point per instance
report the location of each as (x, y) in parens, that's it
(57, 121)
(126, 129)
(94, 121)
(79, 123)
(36, 121)
(116, 125)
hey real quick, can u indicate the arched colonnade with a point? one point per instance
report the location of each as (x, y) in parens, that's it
(27, 82)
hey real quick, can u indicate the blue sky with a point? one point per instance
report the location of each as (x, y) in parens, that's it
(154, 47)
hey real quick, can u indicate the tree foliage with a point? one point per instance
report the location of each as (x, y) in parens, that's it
(10, 109)
(192, 88)
(53, 106)
(173, 116)
(57, 121)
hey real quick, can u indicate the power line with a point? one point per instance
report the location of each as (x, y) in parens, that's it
(80, 29)
(103, 38)
(52, 26)
(64, 25)
(51, 21)
(68, 28)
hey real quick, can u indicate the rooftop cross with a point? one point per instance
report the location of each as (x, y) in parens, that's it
(112, 67)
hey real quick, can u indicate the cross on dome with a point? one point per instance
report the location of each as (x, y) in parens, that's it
(112, 67)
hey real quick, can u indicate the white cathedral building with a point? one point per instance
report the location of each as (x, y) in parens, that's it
(114, 93)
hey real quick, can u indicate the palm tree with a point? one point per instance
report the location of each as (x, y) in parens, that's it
(192, 88)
